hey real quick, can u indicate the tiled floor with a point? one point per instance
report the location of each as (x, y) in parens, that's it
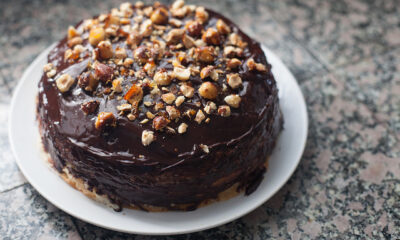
(346, 57)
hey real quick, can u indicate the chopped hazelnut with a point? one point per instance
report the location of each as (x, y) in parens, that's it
(134, 94)
(194, 28)
(233, 100)
(222, 27)
(103, 72)
(158, 106)
(224, 111)
(234, 80)
(128, 62)
(142, 54)
(134, 39)
(105, 119)
(252, 65)
(131, 117)
(182, 128)
(179, 100)
(173, 112)
(205, 54)
(175, 22)
(146, 28)
(124, 107)
(168, 98)
(87, 81)
(174, 36)
(51, 73)
(159, 16)
(201, 14)
(230, 51)
(90, 107)
(209, 71)
(188, 42)
(204, 148)
(74, 41)
(106, 50)
(126, 9)
(178, 4)
(211, 36)
(233, 63)
(96, 35)
(150, 68)
(236, 40)
(72, 32)
(162, 78)
(147, 137)
(199, 116)
(210, 107)
(120, 53)
(48, 67)
(150, 115)
(178, 9)
(160, 122)
(182, 74)
(144, 121)
(116, 85)
(187, 90)
(64, 82)
(208, 90)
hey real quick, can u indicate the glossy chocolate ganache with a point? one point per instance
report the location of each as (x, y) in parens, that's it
(158, 107)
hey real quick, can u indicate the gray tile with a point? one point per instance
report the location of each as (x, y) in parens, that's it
(339, 32)
(10, 176)
(24, 214)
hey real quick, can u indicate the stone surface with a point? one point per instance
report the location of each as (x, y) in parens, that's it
(346, 57)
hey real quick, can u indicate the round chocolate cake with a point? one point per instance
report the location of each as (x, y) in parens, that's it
(158, 108)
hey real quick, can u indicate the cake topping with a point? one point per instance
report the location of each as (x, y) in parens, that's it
(147, 137)
(161, 63)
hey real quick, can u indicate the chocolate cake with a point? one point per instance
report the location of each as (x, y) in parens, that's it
(158, 108)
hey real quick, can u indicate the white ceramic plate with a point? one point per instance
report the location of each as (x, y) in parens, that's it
(23, 132)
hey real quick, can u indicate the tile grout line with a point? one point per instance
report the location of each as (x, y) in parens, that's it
(13, 188)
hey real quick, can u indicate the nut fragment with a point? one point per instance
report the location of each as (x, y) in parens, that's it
(224, 111)
(105, 119)
(204, 148)
(187, 90)
(209, 71)
(222, 27)
(210, 107)
(90, 107)
(147, 137)
(146, 28)
(168, 98)
(188, 42)
(96, 35)
(87, 81)
(134, 94)
(72, 32)
(233, 63)
(208, 90)
(199, 116)
(120, 53)
(205, 54)
(124, 107)
(51, 73)
(173, 112)
(159, 16)
(105, 49)
(230, 51)
(236, 40)
(48, 67)
(234, 80)
(128, 62)
(162, 77)
(233, 100)
(160, 122)
(103, 72)
(194, 28)
(211, 36)
(142, 54)
(64, 82)
(201, 14)
(182, 74)
(179, 100)
(74, 41)
(252, 65)
(174, 36)
(150, 68)
(116, 85)
(182, 128)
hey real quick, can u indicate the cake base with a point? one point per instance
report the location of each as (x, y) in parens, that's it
(83, 187)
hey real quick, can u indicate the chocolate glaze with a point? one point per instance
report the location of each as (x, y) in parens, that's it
(173, 169)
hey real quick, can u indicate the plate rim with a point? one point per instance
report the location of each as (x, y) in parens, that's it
(19, 162)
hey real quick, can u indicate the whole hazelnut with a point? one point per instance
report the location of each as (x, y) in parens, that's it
(96, 35)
